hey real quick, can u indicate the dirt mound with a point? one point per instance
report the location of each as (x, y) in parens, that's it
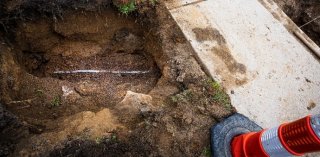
(85, 125)
(92, 82)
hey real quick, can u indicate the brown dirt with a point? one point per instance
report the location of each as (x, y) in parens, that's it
(302, 12)
(166, 111)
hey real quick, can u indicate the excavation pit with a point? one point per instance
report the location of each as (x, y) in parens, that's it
(81, 78)
(96, 51)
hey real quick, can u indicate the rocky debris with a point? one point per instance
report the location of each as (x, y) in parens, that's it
(134, 105)
(66, 91)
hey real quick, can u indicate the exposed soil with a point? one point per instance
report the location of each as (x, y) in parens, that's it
(302, 12)
(81, 79)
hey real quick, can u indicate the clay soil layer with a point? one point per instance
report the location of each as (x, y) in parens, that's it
(81, 79)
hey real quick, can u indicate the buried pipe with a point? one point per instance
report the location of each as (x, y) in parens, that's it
(103, 71)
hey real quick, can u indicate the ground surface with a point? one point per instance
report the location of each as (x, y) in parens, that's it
(150, 97)
(265, 69)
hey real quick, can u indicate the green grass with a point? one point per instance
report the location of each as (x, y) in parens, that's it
(219, 95)
(56, 101)
(114, 137)
(39, 93)
(99, 140)
(175, 98)
(206, 152)
(127, 8)
(153, 2)
(132, 6)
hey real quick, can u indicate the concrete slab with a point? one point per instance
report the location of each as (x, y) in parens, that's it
(274, 77)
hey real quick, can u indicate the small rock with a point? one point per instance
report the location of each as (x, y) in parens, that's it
(311, 105)
(69, 94)
(144, 110)
(154, 124)
(135, 104)
(187, 117)
(87, 88)
(66, 91)
(181, 77)
(307, 80)
(201, 109)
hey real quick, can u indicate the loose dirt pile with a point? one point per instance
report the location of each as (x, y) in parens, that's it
(302, 12)
(80, 79)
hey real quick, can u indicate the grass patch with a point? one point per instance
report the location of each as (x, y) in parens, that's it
(218, 94)
(206, 152)
(56, 101)
(39, 93)
(99, 140)
(114, 137)
(210, 92)
(153, 2)
(127, 8)
(132, 5)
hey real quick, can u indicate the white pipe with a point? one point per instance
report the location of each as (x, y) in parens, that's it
(102, 71)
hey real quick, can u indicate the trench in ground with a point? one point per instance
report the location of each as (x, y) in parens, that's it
(64, 78)
(97, 55)
(84, 61)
